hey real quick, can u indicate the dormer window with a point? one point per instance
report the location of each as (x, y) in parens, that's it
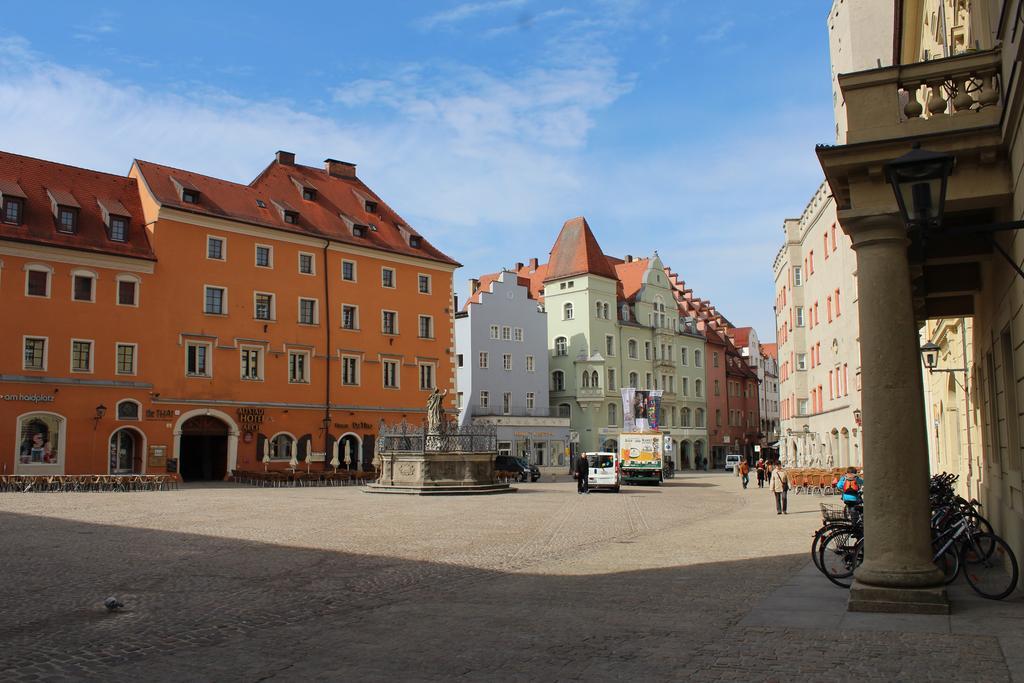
(307, 191)
(260, 203)
(309, 194)
(291, 217)
(371, 206)
(288, 212)
(118, 228)
(12, 202)
(188, 192)
(414, 241)
(14, 209)
(67, 220)
(359, 230)
(190, 196)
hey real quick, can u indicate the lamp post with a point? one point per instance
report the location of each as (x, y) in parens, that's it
(919, 179)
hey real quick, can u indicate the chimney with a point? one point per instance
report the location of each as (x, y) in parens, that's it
(519, 266)
(339, 169)
(629, 258)
(474, 285)
(286, 158)
(533, 264)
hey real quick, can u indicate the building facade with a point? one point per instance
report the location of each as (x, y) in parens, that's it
(614, 323)
(964, 105)
(502, 369)
(276, 320)
(818, 340)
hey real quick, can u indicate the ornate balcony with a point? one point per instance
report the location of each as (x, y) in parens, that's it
(942, 95)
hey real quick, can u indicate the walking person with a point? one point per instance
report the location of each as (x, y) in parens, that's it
(760, 472)
(779, 485)
(582, 474)
(745, 473)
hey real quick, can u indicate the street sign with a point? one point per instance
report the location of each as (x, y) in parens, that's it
(668, 443)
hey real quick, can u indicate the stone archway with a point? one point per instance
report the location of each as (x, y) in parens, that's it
(205, 445)
(686, 455)
(126, 451)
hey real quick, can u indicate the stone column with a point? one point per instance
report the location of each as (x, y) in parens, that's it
(897, 574)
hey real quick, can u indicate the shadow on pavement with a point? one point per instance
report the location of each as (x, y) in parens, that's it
(203, 607)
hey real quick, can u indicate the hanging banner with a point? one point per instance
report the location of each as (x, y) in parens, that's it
(640, 410)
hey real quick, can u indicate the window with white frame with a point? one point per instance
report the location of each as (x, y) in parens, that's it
(567, 311)
(611, 379)
(632, 349)
(530, 365)
(426, 375)
(216, 248)
(506, 333)
(349, 317)
(609, 345)
(350, 370)
(531, 400)
(391, 376)
(426, 327)
(485, 399)
(298, 367)
(801, 406)
(423, 284)
(125, 358)
(801, 361)
(698, 359)
(698, 388)
(197, 359)
(34, 354)
(798, 276)
(215, 300)
(684, 357)
(83, 286)
(263, 306)
(251, 362)
(483, 359)
(561, 346)
(799, 313)
(127, 290)
(37, 280)
(387, 278)
(81, 355)
(264, 256)
(685, 386)
(634, 380)
(506, 362)
(613, 411)
(348, 271)
(517, 334)
(306, 262)
(308, 312)
(506, 403)
(494, 331)
(389, 322)
(647, 350)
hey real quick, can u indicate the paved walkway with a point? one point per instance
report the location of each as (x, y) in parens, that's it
(694, 580)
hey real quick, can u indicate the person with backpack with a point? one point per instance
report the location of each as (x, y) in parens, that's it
(852, 487)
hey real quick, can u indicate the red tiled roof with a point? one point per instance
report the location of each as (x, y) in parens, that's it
(631, 275)
(535, 278)
(38, 179)
(338, 203)
(770, 350)
(741, 336)
(576, 252)
(485, 286)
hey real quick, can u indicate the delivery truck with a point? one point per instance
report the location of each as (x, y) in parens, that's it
(641, 457)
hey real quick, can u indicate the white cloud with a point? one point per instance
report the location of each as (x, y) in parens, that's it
(466, 11)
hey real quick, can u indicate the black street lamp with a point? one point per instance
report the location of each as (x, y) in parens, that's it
(919, 179)
(930, 356)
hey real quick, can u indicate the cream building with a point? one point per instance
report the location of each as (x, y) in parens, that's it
(949, 252)
(819, 356)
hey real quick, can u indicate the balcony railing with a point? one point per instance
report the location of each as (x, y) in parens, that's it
(513, 411)
(940, 95)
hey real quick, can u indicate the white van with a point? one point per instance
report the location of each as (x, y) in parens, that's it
(732, 460)
(604, 471)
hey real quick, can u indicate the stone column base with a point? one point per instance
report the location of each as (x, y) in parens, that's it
(864, 598)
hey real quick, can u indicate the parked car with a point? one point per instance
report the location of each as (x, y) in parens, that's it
(534, 470)
(732, 460)
(507, 463)
(604, 471)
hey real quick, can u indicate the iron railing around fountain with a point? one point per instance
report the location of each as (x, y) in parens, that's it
(452, 438)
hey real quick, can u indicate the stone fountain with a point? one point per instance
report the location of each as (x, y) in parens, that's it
(438, 457)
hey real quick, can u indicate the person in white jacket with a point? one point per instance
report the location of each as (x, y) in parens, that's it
(779, 485)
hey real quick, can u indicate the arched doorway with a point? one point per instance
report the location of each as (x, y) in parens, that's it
(686, 455)
(125, 450)
(355, 447)
(203, 453)
(698, 453)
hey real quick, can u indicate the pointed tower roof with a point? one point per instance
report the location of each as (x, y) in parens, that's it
(576, 252)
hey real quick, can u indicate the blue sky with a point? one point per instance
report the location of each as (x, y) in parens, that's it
(682, 127)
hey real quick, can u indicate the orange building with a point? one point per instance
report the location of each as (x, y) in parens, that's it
(276, 320)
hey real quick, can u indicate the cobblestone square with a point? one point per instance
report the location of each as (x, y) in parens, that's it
(692, 580)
